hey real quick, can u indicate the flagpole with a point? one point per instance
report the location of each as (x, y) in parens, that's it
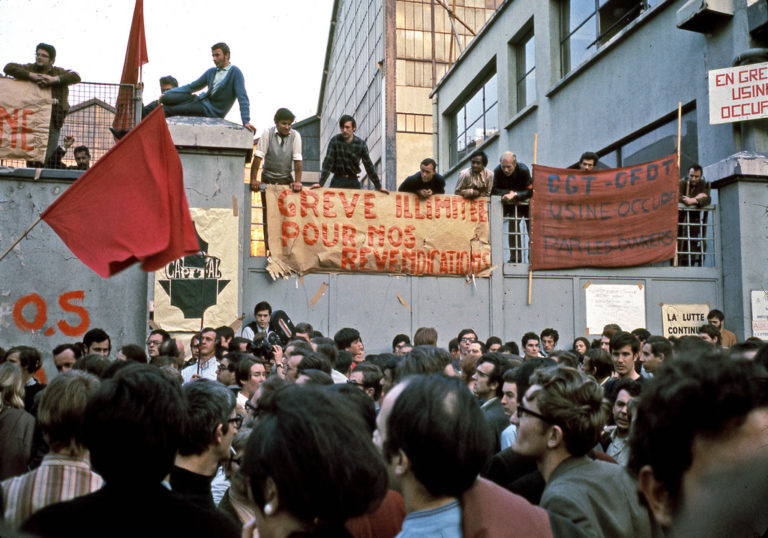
(22, 236)
(530, 271)
(679, 138)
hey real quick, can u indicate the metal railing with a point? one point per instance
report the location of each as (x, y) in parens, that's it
(93, 106)
(695, 236)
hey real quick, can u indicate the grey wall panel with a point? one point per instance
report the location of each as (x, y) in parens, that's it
(62, 294)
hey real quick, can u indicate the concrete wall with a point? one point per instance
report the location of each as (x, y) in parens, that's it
(634, 80)
(48, 296)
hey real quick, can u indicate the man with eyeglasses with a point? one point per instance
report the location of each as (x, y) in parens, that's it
(211, 424)
(155, 340)
(44, 74)
(559, 420)
(466, 338)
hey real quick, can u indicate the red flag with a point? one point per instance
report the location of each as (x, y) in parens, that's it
(604, 218)
(130, 206)
(135, 57)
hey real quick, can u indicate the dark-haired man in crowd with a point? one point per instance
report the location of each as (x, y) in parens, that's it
(710, 334)
(155, 340)
(615, 441)
(530, 343)
(349, 339)
(64, 357)
(425, 182)
(435, 441)
(225, 83)
(701, 418)
(559, 420)
(262, 314)
(97, 342)
(401, 344)
(211, 424)
(549, 338)
(44, 74)
(489, 380)
(343, 156)
(717, 319)
(512, 181)
(367, 377)
(133, 426)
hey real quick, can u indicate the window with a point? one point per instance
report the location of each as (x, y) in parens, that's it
(475, 121)
(525, 62)
(588, 24)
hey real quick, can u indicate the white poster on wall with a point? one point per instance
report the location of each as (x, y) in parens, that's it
(760, 314)
(623, 304)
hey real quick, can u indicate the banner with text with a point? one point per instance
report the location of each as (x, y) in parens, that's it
(25, 115)
(340, 230)
(738, 93)
(683, 319)
(619, 217)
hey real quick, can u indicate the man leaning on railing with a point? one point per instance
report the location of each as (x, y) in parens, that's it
(694, 192)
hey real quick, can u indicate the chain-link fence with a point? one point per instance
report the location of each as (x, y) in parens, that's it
(93, 109)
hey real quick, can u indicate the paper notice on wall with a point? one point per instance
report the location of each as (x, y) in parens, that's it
(760, 314)
(202, 285)
(623, 304)
(683, 319)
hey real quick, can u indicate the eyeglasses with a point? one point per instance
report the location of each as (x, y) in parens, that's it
(467, 339)
(249, 405)
(237, 421)
(522, 411)
(355, 383)
(153, 343)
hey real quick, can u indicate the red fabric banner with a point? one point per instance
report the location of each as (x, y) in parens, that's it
(619, 217)
(135, 57)
(130, 206)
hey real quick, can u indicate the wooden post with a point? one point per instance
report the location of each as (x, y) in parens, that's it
(530, 241)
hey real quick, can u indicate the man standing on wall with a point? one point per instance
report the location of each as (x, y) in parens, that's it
(345, 151)
(45, 75)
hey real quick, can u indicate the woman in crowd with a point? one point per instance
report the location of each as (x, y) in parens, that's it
(16, 425)
(312, 491)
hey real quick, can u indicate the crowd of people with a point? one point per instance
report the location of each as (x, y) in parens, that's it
(282, 431)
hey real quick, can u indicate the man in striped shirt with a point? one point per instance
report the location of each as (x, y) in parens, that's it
(66, 470)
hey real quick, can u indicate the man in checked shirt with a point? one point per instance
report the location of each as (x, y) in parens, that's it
(345, 151)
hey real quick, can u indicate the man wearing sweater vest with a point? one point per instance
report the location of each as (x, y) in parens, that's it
(225, 83)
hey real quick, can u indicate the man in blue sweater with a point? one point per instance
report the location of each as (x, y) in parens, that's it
(225, 83)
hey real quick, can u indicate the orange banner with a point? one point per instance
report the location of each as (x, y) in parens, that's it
(619, 217)
(25, 114)
(341, 230)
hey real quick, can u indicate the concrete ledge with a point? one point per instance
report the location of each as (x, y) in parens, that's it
(212, 133)
(743, 164)
(46, 174)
